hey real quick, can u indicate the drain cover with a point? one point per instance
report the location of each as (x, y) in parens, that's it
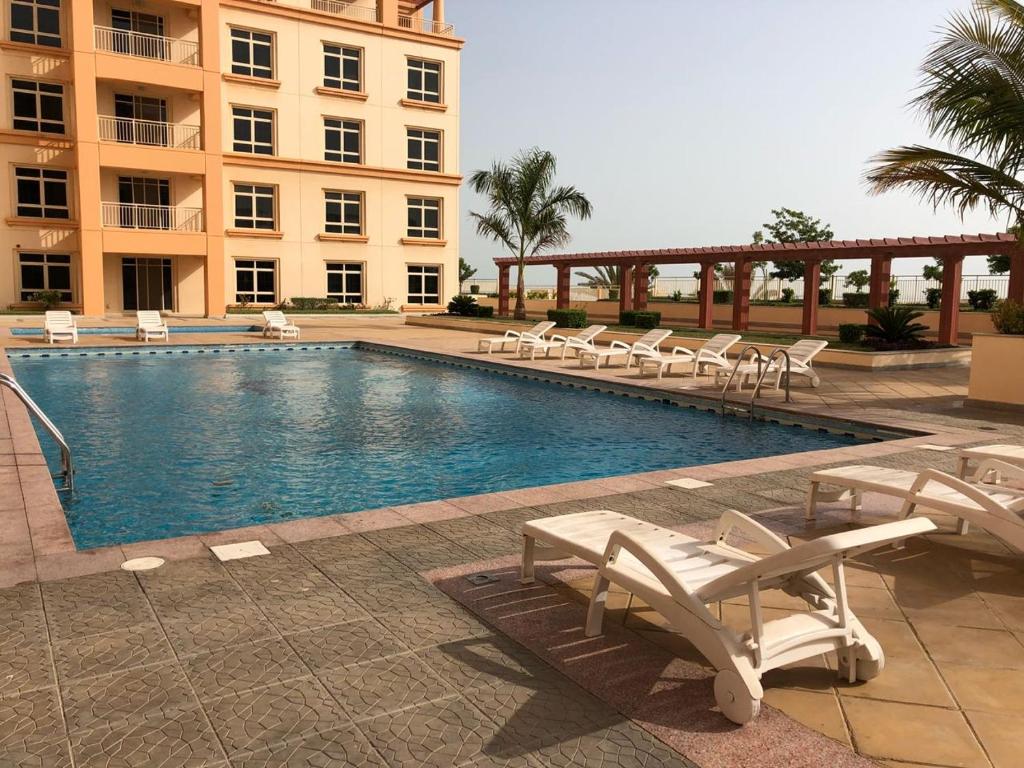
(142, 564)
(238, 551)
(479, 579)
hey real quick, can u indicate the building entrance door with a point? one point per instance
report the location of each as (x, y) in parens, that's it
(147, 284)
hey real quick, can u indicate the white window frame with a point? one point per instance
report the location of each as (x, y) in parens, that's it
(42, 176)
(344, 127)
(346, 268)
(424, 204)
(423, 137)
(254, 192)
(256, 270)
(252, 120)
(341, 199)
(248, 38)
(36, 5)
(420, 271)
(38, 93)
(25, 294)
(422, 66)
(343, 53)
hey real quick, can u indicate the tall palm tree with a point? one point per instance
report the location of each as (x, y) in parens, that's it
(526, 213)
(608, 277)
(972, 97)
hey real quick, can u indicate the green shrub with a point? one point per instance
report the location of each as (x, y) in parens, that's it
(721, 297)
(677, 295)
(465, 306)
(482, 311)
(788, 294)
(49, 299)
(983, 299)
(1008, 317)
(568, 318)
(627, 317)
(894, 296)
(933, 297)
(647, 319)
(824, 295)
(894, 327)
(300, 303)
(851, 333)
(855, 299)
(538, 293)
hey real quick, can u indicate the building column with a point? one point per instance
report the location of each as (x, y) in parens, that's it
(949, 310)
(387, 12)
(503, 271)
(741, 294)
(640, 291)
(1015, 290)
(706, 296)
(625, 288)
(812, 283)
(216, 267)
(439, 11)
(562, 286)
(881, 275)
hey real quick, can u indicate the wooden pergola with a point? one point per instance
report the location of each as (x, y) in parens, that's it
(950, 251)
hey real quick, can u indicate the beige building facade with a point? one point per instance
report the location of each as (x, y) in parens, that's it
(191, 156)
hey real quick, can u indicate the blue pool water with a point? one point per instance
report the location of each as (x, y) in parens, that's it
(130, 330)
(176, 444)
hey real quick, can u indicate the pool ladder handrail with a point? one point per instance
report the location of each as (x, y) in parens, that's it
(67, 465)
(762, 372)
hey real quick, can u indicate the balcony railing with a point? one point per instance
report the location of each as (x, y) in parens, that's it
(145, 46)
(126, 130)
(349, 10)
(165, 217)
(431, 27)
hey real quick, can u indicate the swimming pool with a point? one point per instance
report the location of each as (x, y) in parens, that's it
(223, 437)
(129, 330)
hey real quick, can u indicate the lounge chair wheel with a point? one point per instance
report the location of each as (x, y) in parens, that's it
(870, 662)
(734, 699)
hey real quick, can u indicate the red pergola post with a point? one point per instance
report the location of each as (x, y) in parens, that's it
(706, 296)
(625, 288)
(640, 292)
(1015, 291)
(741, 295)
(949, 310)
(562, 288)
(503, 271)
(812, 282)
(881, 275)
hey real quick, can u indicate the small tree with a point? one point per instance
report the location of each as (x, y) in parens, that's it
(608, 277)
(792, 226)
(465, 271)
(858, 280)
(998, 264)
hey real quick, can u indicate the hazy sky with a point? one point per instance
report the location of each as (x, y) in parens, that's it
(686, 122)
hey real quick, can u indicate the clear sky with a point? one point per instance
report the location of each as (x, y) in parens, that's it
(686, 122)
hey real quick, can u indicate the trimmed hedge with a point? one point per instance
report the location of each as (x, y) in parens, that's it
(721, 297)
(568, 318)
(982, 299)
(482, 311)
(640, 319)
(851, 333)
(856, 300)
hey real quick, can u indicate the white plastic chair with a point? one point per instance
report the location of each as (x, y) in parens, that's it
(646, 346)
(279, 325)
(150, 325)
(582, 341)
(515, 337)
(800, 356)
(59, 325)
(711, 353)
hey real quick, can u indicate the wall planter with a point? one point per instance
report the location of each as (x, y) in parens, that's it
(997, 371)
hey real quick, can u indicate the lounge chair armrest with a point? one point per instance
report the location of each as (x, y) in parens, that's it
(512, 334)
(620, 540)
(682, 350)
(731, 519)
(618, 344)
(1002, 467)
(557, 337)
(972, 492)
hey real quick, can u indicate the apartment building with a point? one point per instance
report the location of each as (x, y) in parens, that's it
(192, 155)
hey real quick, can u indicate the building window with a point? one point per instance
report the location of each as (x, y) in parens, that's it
(254, 206)
(38, 106)
(343, 140)
(345, 283)
(45, 272)
(424, 285)
(424, 149)
(36, 22)
(424, 218)
(343, 212)
(255, 282)
(252, 53)
(424, 81)
(42, 193)
(343, 67)
(253, 130)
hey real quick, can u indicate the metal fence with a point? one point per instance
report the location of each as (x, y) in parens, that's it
(138, 216)
(145, 46)
(126, 130)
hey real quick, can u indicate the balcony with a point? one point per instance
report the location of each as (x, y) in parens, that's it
(428, 26)
(348, 10)
(150, 133)
(140, 45)
(168, 218)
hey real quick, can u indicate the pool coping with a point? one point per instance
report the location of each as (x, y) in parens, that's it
(37, 542)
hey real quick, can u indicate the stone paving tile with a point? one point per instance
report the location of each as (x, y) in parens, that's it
(309, 608)
(463, 528)
(386, 685)
(183, 740)
(364, 570)
(29, 717)
(406, 537)
(338, 548)
(24, 651)
(427, 557)
(432, 625)
(625, 746)
(483, 661)
(195, 602)
(135, 694)
(341, 748)
(182, 574)
(396, 594)
(231, 625)
(242, 667)
(92, 604)
(112, 651)
(40, 753)
(345, 644)
(256, 720)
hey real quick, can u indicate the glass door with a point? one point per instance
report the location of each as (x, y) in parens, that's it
(152, 110)
(147, 284)
(146, 203)
(139, 34)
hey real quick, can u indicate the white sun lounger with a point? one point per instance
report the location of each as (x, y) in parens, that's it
(279, 325)
(645, 346)
(800, 356)
(1011, 454)
(582, 341)
(680, 576)
(514, 337)
(711, 353)
(59, 325)
(995, 508)
(150, 325)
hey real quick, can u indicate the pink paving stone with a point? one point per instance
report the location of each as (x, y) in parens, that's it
(178, 548)
(430, 511)
(236, 535)
(83, 563)
(30, 459)
(16, 571)
(627, 483)
(6, 445)
(526, 497)
(306, 529)
(371, 520)
(483, 503)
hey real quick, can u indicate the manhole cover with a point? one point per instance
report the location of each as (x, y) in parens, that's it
(479, 579)
(142, 564)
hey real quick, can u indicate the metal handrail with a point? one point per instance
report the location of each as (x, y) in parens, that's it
(739, 362)
(143, 45)
(340, 8)
(66, 463)
(761, 376)
(431, 27)
(140, 216)
(127, 130)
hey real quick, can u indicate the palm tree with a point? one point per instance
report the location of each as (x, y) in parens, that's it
(972, 97)
(608, 277)
(526, 213)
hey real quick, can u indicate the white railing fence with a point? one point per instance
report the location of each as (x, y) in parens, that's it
(349, 10)
(139, 216)
(431, 27)
(145, 46)
(126, 130)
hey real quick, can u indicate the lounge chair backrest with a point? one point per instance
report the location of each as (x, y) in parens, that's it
(275, 317)
(720, 342)
(541, 328)
(58, 318)
(588, 334)
(805, 349)
(149, 318)
(654, 337)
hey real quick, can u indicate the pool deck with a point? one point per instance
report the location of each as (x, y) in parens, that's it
(356, 642)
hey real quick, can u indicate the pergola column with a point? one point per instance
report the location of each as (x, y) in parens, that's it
(812, 283)
(625, 288)
(503, 271)
(640, 291)
(881, 275)
(1015, 291)
(562, 286)
(706, 296)
(949, 310)
(741, 294)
